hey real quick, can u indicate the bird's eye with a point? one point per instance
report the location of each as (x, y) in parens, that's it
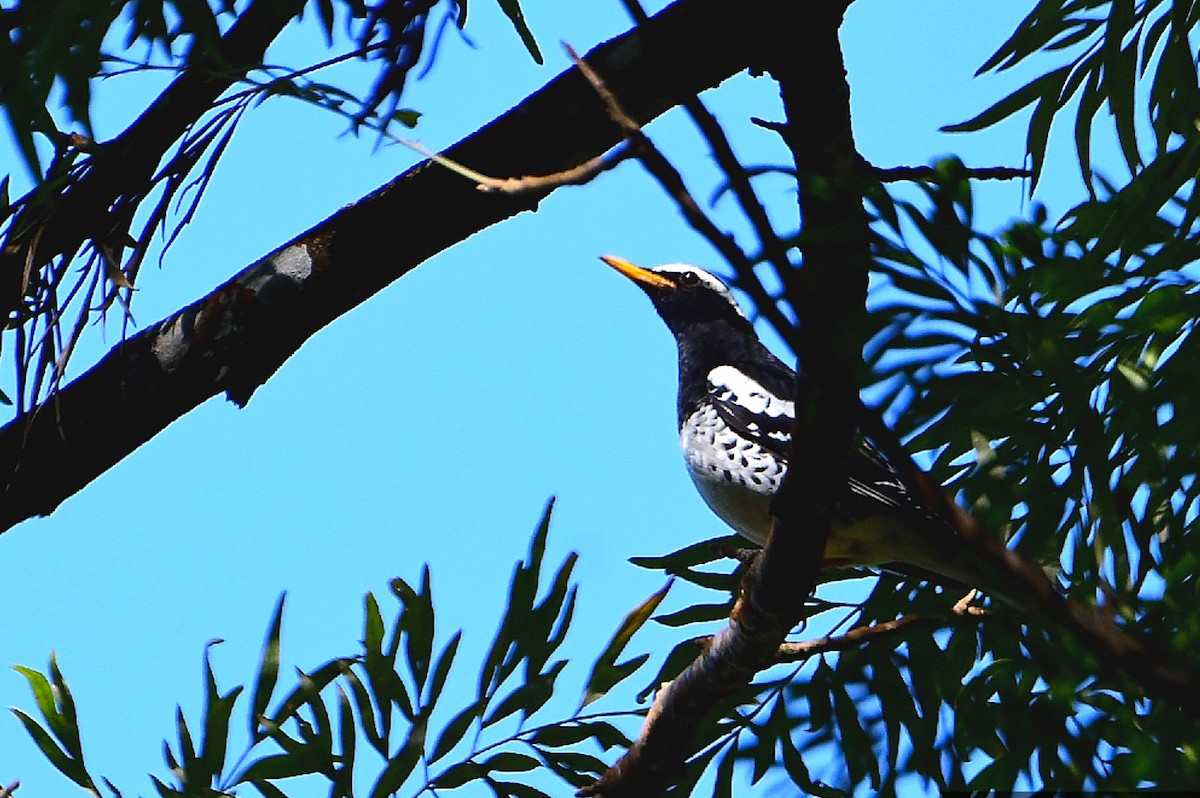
(689, 279)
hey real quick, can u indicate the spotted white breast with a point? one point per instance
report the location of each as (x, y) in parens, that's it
(724, 442)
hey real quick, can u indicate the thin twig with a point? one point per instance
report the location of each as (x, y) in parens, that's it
(797, 652)
(575, 176)
(738, 177)
(672, 182)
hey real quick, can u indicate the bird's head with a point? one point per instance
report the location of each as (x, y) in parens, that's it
(684, 295)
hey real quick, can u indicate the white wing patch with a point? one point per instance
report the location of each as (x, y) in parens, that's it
(729, 384)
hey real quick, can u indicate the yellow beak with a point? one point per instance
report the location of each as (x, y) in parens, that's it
(639, 275)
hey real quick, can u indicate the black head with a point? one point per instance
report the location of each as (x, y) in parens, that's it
(684, 295)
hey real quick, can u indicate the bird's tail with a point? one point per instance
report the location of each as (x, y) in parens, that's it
(955, 564)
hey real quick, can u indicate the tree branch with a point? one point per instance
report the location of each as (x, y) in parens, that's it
(235, 338)
(1155, 670)
(835, 249)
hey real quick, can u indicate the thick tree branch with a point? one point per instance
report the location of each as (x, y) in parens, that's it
(234, 339)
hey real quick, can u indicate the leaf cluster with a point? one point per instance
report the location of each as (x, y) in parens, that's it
(384, 708)
(1050, 381)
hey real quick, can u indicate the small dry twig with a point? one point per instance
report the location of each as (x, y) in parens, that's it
(575, 176)
(797, 652)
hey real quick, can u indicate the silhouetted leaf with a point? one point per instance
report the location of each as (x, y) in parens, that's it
(218, 709)
(512, 10)
(606, 672)
(268, 669)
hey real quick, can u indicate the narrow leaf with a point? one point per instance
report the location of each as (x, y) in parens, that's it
(605, 672)
(268, 669)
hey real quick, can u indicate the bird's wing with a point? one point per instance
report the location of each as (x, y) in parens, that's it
(873, 479)
(764, 414)
(753, 411)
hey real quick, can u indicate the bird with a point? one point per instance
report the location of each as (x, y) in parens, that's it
(736, 407)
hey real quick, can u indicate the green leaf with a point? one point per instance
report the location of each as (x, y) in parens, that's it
(454, 731)
(529, 697)
(73, 769)
(575, 732)
(856, 743)
(682, 655)
(1045, 88)
(698, 613)
(321, 735)
(820, 705)
(1042, 24)
(418, 624)
(701, 553)
(441, 670)
(348, 741)
(1120, 68)
(268, 789)
(193, 775)
(576, 769)
(514, 789)
(278, 766)
(372, 624)
(268, 669)
(43, 695)
(606, 673)
(458, 775)
(167, 792)
(723, 783)
(218, 709)
(382, 679)
(327, 18)
(309, 690)
(512, 10)
(546, 628)
(507, 650)
(406, 116)
(401, 765)
(510, 762)
(1089, 106)
(66, 703)
(366, 713)
(793, 763)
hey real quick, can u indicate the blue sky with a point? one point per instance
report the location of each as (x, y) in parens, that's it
(432, 423)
